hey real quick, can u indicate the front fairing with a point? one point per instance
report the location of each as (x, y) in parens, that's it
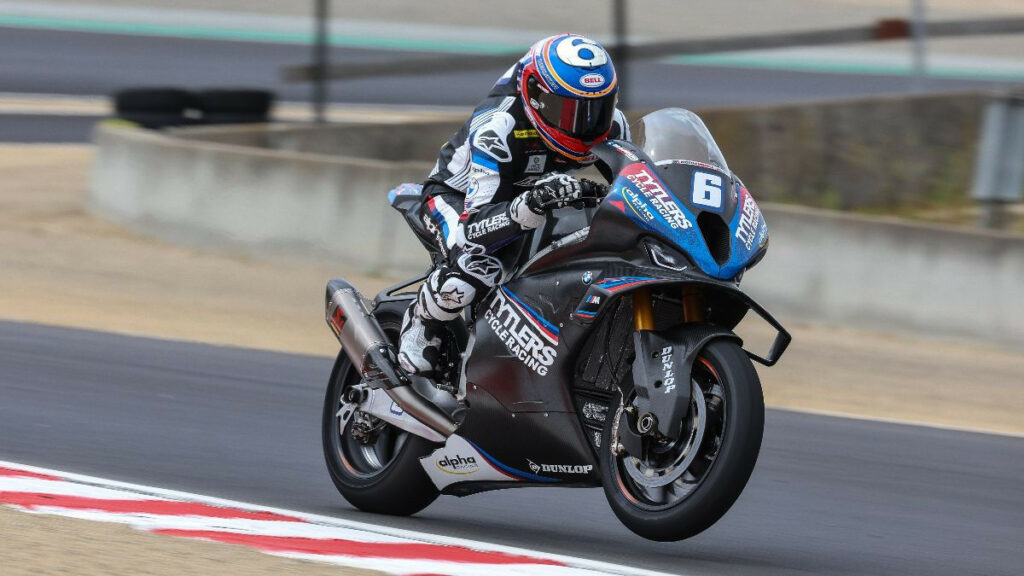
(695, 208)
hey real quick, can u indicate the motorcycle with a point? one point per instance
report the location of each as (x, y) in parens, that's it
(607, 357)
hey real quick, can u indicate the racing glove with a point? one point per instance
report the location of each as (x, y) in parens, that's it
(553, 191)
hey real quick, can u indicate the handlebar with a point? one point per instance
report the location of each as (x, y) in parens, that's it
(593, 189)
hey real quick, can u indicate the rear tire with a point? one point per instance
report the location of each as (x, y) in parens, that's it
(398, 486)
(728, 456)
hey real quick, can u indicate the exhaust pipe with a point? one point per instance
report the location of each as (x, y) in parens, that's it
(365, 344)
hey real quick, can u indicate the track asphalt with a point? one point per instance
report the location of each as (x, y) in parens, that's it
(829, 495)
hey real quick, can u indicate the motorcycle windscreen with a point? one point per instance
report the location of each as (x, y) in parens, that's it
(677, 134)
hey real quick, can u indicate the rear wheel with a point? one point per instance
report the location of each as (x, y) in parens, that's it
(677, 489)
(373, 464)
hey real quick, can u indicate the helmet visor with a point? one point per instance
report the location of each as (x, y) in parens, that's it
(582, 118)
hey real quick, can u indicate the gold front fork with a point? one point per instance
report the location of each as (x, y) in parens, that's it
(643, 310)
(693, 305)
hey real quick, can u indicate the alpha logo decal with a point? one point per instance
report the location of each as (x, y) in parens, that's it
(750, 217)
(660, 199)
(535, 164)
(493, 144)
(639, 207)
(559, 468)
(460, 465)
(528, 336)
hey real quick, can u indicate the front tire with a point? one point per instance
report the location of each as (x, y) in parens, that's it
(382, 473)
(712, 480)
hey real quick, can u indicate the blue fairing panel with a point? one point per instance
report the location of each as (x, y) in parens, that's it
(648, 201)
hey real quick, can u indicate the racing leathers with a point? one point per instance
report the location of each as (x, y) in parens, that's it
(494, 180)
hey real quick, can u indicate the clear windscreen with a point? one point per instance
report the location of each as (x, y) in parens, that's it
(677, 134)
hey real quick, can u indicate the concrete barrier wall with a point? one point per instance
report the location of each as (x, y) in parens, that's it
(204, 193)
(879, 153)
(822, 266)
(412, 141)
(890, 275)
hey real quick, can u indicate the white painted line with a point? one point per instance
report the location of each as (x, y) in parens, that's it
(16, 484)
(454, 568)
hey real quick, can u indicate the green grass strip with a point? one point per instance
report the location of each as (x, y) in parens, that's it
(453, 46)
(861, 68)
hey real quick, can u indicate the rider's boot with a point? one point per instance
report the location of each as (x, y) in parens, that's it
(419, 347)
(441, 298)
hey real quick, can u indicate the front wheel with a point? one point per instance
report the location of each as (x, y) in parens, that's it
(677, 489)
(373, 464)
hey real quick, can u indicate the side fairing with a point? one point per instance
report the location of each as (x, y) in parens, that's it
(523, 421)
(521, 352)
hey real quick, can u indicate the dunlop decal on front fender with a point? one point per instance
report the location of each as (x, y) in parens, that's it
(661, 371)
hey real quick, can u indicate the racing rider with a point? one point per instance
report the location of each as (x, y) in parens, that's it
(500, 173)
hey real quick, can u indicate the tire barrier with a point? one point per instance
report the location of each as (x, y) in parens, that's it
(156, 108)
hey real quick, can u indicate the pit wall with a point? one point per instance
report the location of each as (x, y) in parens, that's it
(265, 189)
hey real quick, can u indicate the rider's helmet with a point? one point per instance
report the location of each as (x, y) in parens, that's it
(568, 87)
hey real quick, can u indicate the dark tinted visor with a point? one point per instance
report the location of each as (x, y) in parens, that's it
(583, 118)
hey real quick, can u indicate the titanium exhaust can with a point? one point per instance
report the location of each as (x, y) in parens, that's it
(366, 345)
(350, 320)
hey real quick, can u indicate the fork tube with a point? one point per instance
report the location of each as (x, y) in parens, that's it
(643, 310)
(693, 306)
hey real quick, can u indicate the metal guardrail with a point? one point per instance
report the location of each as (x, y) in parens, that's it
(999, 167)
(879, 31)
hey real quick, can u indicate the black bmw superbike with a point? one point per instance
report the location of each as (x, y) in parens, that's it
(607, 357)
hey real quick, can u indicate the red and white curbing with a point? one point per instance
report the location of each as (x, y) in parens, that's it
(279, 532)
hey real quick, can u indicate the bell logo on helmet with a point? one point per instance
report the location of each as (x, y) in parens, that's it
(592, 80)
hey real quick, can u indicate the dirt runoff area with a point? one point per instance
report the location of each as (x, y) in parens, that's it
(60, 266)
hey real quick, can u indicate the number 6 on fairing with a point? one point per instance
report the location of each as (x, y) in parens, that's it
(707, 189)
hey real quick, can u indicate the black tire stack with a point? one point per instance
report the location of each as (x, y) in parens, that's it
(156, 108)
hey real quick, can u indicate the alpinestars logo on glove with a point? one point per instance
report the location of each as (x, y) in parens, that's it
(526, 335)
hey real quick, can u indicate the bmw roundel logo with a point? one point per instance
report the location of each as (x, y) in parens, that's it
(588, 277)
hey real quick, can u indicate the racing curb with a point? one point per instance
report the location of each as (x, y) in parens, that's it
(280, 532)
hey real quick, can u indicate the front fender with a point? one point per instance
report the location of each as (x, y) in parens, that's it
(602, 294)
(662, 369)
